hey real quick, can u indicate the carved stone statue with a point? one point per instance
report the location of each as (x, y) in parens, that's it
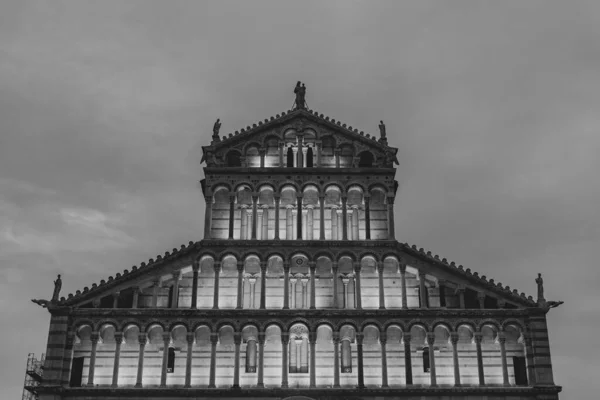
(382, 131)
(216, 128)
(300, 91)
(540, 285)
(57, 286)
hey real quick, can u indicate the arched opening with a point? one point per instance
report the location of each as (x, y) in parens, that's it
(290, 158)
(309, 157)
(366, 160)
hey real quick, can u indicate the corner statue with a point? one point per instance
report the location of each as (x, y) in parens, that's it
(382, 131)
(57, 287)
(541, 300)
(300, 91)
(216, 128)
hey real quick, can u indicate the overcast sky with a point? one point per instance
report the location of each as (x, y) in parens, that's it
(493, 104)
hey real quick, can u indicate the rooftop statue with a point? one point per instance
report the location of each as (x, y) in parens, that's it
(300, 91)
(540, 284)
(57, 286)
(382, 131)
(216, 128)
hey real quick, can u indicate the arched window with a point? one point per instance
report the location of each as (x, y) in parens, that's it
(426, 359)
(309, 158)
(171, 361)
(366, 159)
(346, 364)
(233, 159)
(290, 158)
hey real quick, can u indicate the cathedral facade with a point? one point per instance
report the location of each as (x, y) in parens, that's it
(300, 290)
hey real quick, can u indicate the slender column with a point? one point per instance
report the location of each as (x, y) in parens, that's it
(285, 340)
(478, 338)
(312, 267)
(94, 338)
(262, 153)
(502, 341)
(345, 281)
(334, 268)
(529, 359)
(355, 230)
(195, 271)
(231, 214)
(289, 224)
(454, 340)
(442, 290)
(357, 293)
(298, 343)
(118, 341)
(299, 221)
(336, 153)
(481, 299)
(277, 197)
(390, 209)
(237, 338)
(300, 153)
(430, 342)
(293, 296)
(318, 145)
(142, 339)
(384, 372)
(243, 222)
(359, 351)
(461, 296)
(252, 281)
(344, 217)
(367, 217)
(381, 288)
(423, 289)
(254, 215)
(322, 217)
(310, 222)
(403, 285)
(336, 359)
(136, 297)
(304, 290)
(214, 339)
(334, 224)
(281, 146)
(286, 285)
(261, 359)
(407, 359)
(312, 339)
(240, 283)
(265, 224)
(263, 285)
(208, 216)
(259, 224)
(188, 361)
(175, 294)
(163, 375)
(155, 287)
(116, 299)
(217, 267)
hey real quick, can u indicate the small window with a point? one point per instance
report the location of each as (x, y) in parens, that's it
(290, 158)
(426, 359)
(171, 361)
(309, 157)
(520, 370)
(365, 160)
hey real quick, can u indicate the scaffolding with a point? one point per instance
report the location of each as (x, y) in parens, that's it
(33, 376)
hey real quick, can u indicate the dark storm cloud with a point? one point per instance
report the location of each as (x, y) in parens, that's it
(494, 106)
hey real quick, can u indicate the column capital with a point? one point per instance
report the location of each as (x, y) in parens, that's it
(402, 268)
(312, 337)
(383, 338)
(254, 197)
(231, 197)
(478, 337)
(263, 266)
(359, 338)
(481, 295)
(240, 266)
(336, 338)
(299, 195)
(95, 337)
(277, 196)
(136, 289)
(166, 336)
(334, 265)
(286, 266)
(380, 267)
(312, 265)
(70, 339)
(177, 275)
(357, 266)
(208, 198)
(322, 196)
(422, 274)
(285, 338)
(262, 151)
(501, 337)
(262, 337)
(406, 338)
(454, 338)
(430, 338)
(237, 337)
(142, 338)
(214, 338)
(217, 266)
(118, 337)
(190, 337)
(196, 266)
(116, 294)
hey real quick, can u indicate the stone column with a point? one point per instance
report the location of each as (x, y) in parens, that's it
(94, 338)
(334, 224)
(265, 224)
(334, 269)
(430, 342)
(318, 145)
(285, 340)
(142, 339)
(155, 287)
(231, 214)
(286, 285)
(384, 372)
(195, 271)
(163, 374)
(293, 294)
(336, 153)
(240, 285)
(300, 154)
(454, 340)
(243, 222)
(175, 294)
(478, 338)
(136, 297)
(261, 153)
(304, 290)
(188, 362)
(299, 221)
(355, 230)
(345, 282)
(207, 216)
(252, 282)
(461, 296)
(344, 217)
(263, 285)
(254, 214)
(217, 267)
(502, 342)
(237, 338)
(312, 267)
(281, 146)
(312, 340)
(310, 222)
(321, 217)
(422, 289)
(115, 296)
(214, 339)
(403, 285)
(367, 217)
(381, 288)
(357, 290)
(289, 223)
(481, 299)
(336, 359)
(407, 359)
(118, 341)
(390, 209)
(277, 197)
(359, 351)
(261, 359)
